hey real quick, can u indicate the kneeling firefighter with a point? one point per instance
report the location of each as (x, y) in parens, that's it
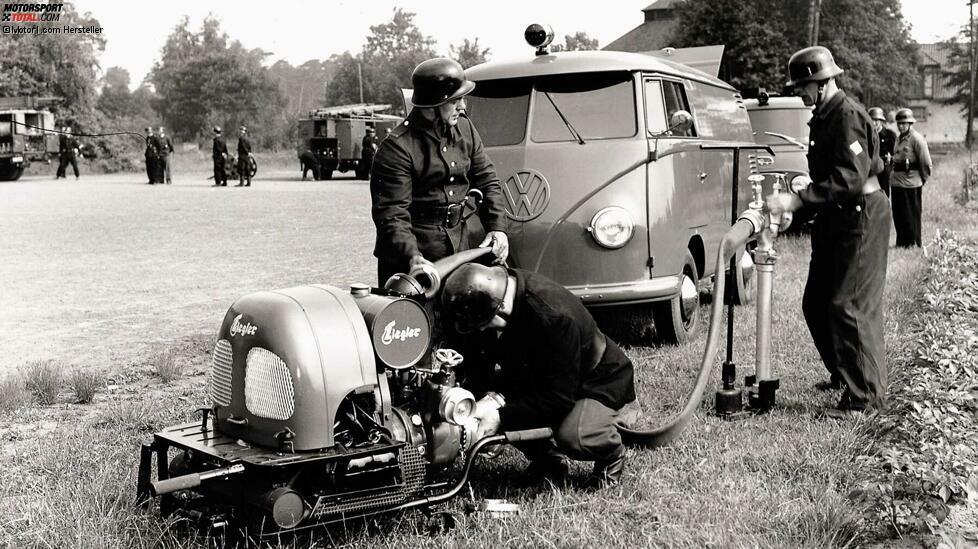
(557, 369)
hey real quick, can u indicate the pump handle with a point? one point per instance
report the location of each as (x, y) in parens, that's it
(528, 434)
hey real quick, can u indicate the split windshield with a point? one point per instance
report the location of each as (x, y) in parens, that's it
(596, 105)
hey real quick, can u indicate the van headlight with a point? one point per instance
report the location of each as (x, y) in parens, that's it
(800, 183)
(612, 227)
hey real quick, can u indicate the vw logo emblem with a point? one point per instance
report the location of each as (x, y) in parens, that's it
(527, 195)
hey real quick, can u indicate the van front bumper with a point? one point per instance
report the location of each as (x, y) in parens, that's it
(656, 289)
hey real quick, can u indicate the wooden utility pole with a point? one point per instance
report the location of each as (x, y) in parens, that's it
(814, 7)
(360, 80)
(972, 62)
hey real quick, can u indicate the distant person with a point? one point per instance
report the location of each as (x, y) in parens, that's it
(887, 141)
(68, 155)
(220, 156)
(911, 169)
(309, 161)
(244, 157)
(368, 147)
(152, 156)
(62, 152)
(166, 147)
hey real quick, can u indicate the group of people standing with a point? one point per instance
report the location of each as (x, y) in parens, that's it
(907, 166)
(220, 156)
(158, 149)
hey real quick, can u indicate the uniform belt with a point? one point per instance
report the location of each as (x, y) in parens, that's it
(905, 166)
(871, 185)
(447, 216)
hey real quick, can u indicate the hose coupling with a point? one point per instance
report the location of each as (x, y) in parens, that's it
(756, 218)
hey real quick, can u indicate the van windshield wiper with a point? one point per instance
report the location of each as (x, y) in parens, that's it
(564, 118)
(791, 140)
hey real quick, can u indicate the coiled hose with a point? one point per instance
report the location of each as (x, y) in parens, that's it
(736, 237)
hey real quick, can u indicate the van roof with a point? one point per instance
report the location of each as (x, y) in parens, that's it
(586, 61)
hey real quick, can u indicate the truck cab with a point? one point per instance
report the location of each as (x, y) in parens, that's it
(25, 136)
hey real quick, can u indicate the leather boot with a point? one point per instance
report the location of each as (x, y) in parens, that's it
(552, 467)
(607, 472)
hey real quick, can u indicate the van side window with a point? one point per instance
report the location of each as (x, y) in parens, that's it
(655, 111)
(676, 100)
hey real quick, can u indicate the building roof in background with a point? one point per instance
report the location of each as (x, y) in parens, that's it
(934, 61)
(934, 54)
(654, 33)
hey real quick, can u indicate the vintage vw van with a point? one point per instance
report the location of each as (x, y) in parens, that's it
(617, 168)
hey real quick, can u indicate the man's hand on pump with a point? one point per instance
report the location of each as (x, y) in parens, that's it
(487, 414)
(499, 243)
(783, 202)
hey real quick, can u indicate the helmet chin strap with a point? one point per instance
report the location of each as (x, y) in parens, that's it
(819, 93)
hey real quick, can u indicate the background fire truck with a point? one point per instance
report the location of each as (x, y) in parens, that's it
(335, 134)
(23, 139)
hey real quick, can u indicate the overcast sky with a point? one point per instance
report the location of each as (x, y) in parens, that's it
(299, 30)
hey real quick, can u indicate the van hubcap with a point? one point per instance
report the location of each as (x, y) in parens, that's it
(689, 299)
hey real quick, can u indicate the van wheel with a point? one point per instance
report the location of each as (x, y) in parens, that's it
(11, 173)
(678, 320)
(740, 286)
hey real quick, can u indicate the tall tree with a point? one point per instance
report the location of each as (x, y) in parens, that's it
(469, 54)
(579, 41)
(205, 78)
(869, 39)
(384, 66)
(62, 65)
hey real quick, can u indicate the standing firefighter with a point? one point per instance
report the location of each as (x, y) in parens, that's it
(220, 156)
(423, 172)
(557, 369)
(68, 151)
(368, 147)
(843, 302)
(887, 139)
(152, 156)
(166, 147)
(244, 157)
(911, 169)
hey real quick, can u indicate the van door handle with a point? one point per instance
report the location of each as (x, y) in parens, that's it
(703, 176)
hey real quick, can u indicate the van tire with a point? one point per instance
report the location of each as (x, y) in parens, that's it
(11, 173)
(740, 286)
(678, 319)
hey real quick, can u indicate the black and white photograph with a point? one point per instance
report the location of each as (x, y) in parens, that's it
(415, 273)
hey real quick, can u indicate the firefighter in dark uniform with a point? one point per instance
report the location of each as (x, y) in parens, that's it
(69, 153)
(423, 172)
(368, 148)
(556, 368)
(62, 153)
(309, 161)
(152, 156)
(911, 169)
(887, 141)
(220, 156)
(843, 301)
(244, 157)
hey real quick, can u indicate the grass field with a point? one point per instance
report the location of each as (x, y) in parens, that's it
(107, 273)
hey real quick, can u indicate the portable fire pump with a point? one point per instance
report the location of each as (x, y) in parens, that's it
(329, 404)
(326, 405)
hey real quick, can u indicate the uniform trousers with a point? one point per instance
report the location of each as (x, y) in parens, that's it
(906, 215)
(220, 175)
(884, 178)
(587, 433)
(63, 165)
(843, 302)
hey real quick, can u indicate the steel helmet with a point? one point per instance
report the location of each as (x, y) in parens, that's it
(905, 116)
(472, 295)
(438, 81)
(876, 113)
(812, 64)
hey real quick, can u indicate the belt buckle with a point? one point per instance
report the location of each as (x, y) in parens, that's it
(453, 215)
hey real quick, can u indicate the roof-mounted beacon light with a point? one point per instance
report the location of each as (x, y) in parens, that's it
(539, 36)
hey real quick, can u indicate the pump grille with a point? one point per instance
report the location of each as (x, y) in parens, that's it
(220, 389)
(268, 385)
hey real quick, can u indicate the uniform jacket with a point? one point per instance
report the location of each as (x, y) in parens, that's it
(220, 147)
(843, 152)
(911, 150)
(308, 158)
(548, 357)
(166, 145)
(368, 146)
(421, 165)
(63, 144)
(244, 147)
(152, 146)
(887, 139)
